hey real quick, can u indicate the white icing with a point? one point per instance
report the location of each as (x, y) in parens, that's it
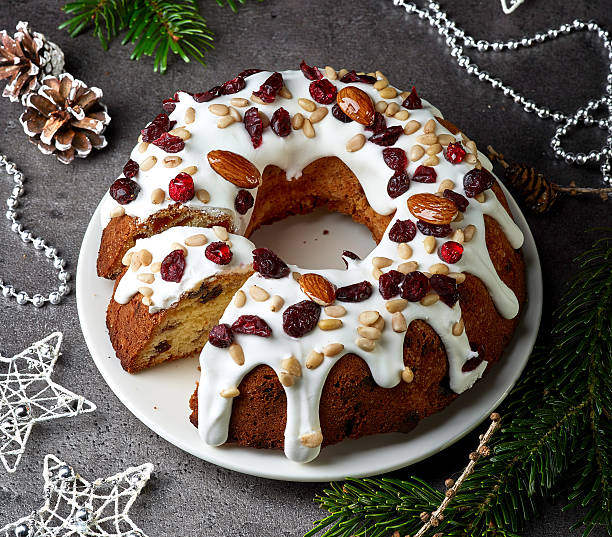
(293, 153)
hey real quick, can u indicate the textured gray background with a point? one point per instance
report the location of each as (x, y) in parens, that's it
(187, 496)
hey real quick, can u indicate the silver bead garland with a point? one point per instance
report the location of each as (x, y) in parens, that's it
(38, 243)
(447, 28)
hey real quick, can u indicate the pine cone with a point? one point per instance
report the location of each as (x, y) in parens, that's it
(65, 117)
(25, 59)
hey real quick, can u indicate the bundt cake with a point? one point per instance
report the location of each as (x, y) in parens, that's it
(297, 358)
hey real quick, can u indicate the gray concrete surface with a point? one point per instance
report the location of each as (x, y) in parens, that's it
(187, 496)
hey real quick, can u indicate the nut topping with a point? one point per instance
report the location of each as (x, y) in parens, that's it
(356, 104)
(234, 168)
(432, 209)
(318, 288)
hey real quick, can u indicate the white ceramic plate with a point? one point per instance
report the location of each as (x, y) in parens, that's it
(159, 396)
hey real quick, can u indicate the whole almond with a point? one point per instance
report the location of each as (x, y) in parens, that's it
(356, 104)
(234, 168)
(431, 208)
(318, 288)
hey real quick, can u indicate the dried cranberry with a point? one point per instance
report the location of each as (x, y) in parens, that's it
(471, 364)
(221, 336)
(395, 158)
(477, 181)
(389, 284)
(301, 318)
(379, 124)
(156, 128)
(461, 202)
(454, 153)
(248, 72)
(402, 231)
(398, 184)
(356, 292)
(173, 266)
(413, 101)
(437, 230)
(387, 137)
(254, 126)
(347, 254)
(415, 286)
(170, 143)
(131, 168)
(233, 86)
(450, 252)
(268, 264)
(252, 325)
(352, 76)
(268, 90)
(181, 188)
(170, 104)
(243, 201)
(323, 91)
(311, 73)
(219, 253)
(425, 174)
(281, 123)
(446, 287)
(339, 114)
(124, 190)
(205, 96)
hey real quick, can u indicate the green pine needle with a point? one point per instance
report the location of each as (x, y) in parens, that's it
(559, 426)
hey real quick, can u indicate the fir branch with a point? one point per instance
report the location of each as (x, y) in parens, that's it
(108, 17)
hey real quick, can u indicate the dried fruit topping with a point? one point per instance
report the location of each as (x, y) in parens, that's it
(219, 253)
(413, 101)
(347, 254)
(156, 128)
(233, 86)
(248, 72)
(356, 104)
(356, 292)
(454, 153)
(476, 181)
(205, 96)
(450, 252)
(268, 264)
(442, 230)
(425, 174)
(352, 76)
(446, 287)
(389, 284)
(173, 266)
(124, 190)
(301, 318)
(243, 201)
(318, 288)
(460, 201)
(398, 184)
(311, 73)
(379, 125)
(170, 143)
(395, 158)
(130, 169)
(387, 137)
(415, 286)
(252, 325)
(323, 91)
(170, 104)
(402, 231)
(471, 364)
(281, 123)
(339, 114)
(221, 336)
(431, 208)
(268, 90)
(254, 126)
(181, 188)
(234, 168)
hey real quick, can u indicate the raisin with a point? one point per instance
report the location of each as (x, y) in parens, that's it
(170, 143)
(268, 90)
(395, 158)
(173, 266)
(131, 168)
(281, 123)
(268, 264)
(243, 201)
(124, 190)
(352, 76)
(251, 325)
(413, 101)
(254, 126)
(450, 252)
(379, 124)
(181, 188)
(425, 174)
(477, 181)
(221, 336)
(415, 286)
(233, 86)
(156, 128)
(323, 91)
(301, 318)
(461, 202)
(387, 137)
(402, 231)
(436, 230)
(454, 153)
(389, 284)
(311, 73)
(356, 292)
(219, 253)
(398, 184)
(446, 287)
(339, 114)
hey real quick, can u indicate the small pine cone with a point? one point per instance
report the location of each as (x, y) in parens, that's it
(484, 451)
(424, 516)
(65, 118)
(25, 59)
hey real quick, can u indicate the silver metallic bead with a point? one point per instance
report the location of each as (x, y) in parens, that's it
(38, 300)
(2, 159)
(26, 235)
(22, 412)
(22, 298)
(581, 159)
(482, 45)
(38, 243)
(64, 289)
(10, 168)
(16, 227)
(55, 298)
(17, 191)
(63, 276)
(570, 158)
(8, 291)
(540, 38)
(11, 214)
(471, 69)
(557, 117)
(59, 263)
(22, 530)
(135, 533)
(18, 177)
(552, 33)
(50, 252)
(595, 156)
(483, 75)
(12, 202)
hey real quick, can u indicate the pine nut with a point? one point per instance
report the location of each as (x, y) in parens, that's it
(446, 139)
(203, 195)
(191, 170)
(297, 121)
(145, 291)
(407, 375)
(145, 277)
(145, 257)
(459, 277)
(439, 268)
(381, 106)
(458, 236)
(429, 299)
(189, 115)
(276, 303)
(470, 158)
(308, 129)
(292, 366)
(314, 359)
(458, 327)
(218, 109)
(178, 246)
(404, 250)
(225, 122)
(142, 147)
(236, 353)
(148, 163)
(405, 268)
(235, 114)
(368, 318)
(229, 393)
(427, 139)
(239, 102)
(127, 259)
(381, 84)
(392, 109)
(181, 132)
(330, 72)
(285, 93)
(411, 127)
(398, 304)
(404, 95)
(155, 267)
(335, 311)
(307, 104)
(312, 440)
(430, 127)
(381, 262)
(376, 273)
(135, 262)
(333, 349)
(398, 322)
(239, 299)
(221, 232)
(171, 162)
(257, 100)
(342, 72)
(402, 115)
(380, 323)
(296, 276)
(468, 232)
(447, 183)
(429, 243)
(355, 143)
(480, 198)
(146, 300)
(318, 114)
(431, 161)
(330, 324)
(365, 344)
(471, 145)
(369, 332)
(478, 165)
(388, 93)
(433, 149)
(258, 294)
(196, 240)
(416, 152)
(458, 217)
(117, 211)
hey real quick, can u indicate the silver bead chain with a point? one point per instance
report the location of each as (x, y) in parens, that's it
(453, 35)
(8, 291)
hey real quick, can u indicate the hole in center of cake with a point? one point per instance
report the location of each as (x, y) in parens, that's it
(315, 240)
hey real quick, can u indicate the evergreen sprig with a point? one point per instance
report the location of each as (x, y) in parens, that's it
(556, 437)
(154, 27)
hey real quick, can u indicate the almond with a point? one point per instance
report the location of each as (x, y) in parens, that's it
(356, 104)
(318, 288)
(234, 168)
(432, 209)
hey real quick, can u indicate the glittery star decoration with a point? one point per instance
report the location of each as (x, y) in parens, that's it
(75, 506)
(510, 5)
(28, 396)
